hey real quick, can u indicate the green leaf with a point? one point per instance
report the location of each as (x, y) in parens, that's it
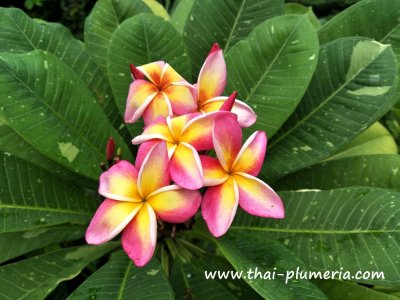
(180, 14)
(362, 19)
(120, 279)
(245, 250)
(352, 87)
(36, 277)
(140, 40)
(356, 229)
(225, 22)
(338, 290)
(298, 9)
(189, 281)
(45, 102)
(370, 170)
(104, 19)
(356, 21)
(12, 143)
(324, 3)
(14, 244)
(33, 198)
(157, 8)
(374, 140)
(272, 68)
(21, 34)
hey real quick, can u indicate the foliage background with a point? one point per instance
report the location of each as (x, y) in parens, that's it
(73, 13)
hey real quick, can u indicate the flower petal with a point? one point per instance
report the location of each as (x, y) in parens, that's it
(251, 156)
(159, 106)
(227, 140)
(258, 198)
(219, 206)
(185, 167)
(141, 93)
(198, 131)
(120, 182)
(143, 151)
(246, 116)
(174, 204)
(153, 71)
(140, 236)
(110, 219)
(181, 98)
(213, 173)
(170, 76)
(158, 129)
(153, 173)
(212, 76)
(177, 124)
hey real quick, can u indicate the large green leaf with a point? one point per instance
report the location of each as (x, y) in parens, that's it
(180, 14)
(225, 22)
(20, 34)
(325, 2)
(12, 143)
(374, 140)
(338, 290)
(14, 244)
(140, 40)
(120, 279)
(272, 68)
(157, 8)
(352, 87)
(298, 9)
(353, 229)
(36, 277)
(377, 19)
(46, 103)
(104, 19)
(31, 197)
(369, 170)
(246, 251)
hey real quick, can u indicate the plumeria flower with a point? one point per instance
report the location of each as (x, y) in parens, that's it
(135, 199)
(184, 136)
(211, 84)
(166, 93)
(232, 178)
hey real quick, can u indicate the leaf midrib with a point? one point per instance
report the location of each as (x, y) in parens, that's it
(48, 209)
(228, 41)
(124, 280)
(323, 103)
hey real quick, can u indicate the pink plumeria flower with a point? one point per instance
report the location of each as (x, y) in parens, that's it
(134, 200)
(166, 93)
(232, 178)
(184, 136)
(211, 84)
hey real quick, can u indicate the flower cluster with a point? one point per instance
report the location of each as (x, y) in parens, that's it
(183, 123)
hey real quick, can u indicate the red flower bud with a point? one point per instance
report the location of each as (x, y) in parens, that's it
(110, 149)
(136, 73)
(228, 104)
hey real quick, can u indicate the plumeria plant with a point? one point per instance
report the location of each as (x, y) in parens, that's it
(174, 133)
(187, 201)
